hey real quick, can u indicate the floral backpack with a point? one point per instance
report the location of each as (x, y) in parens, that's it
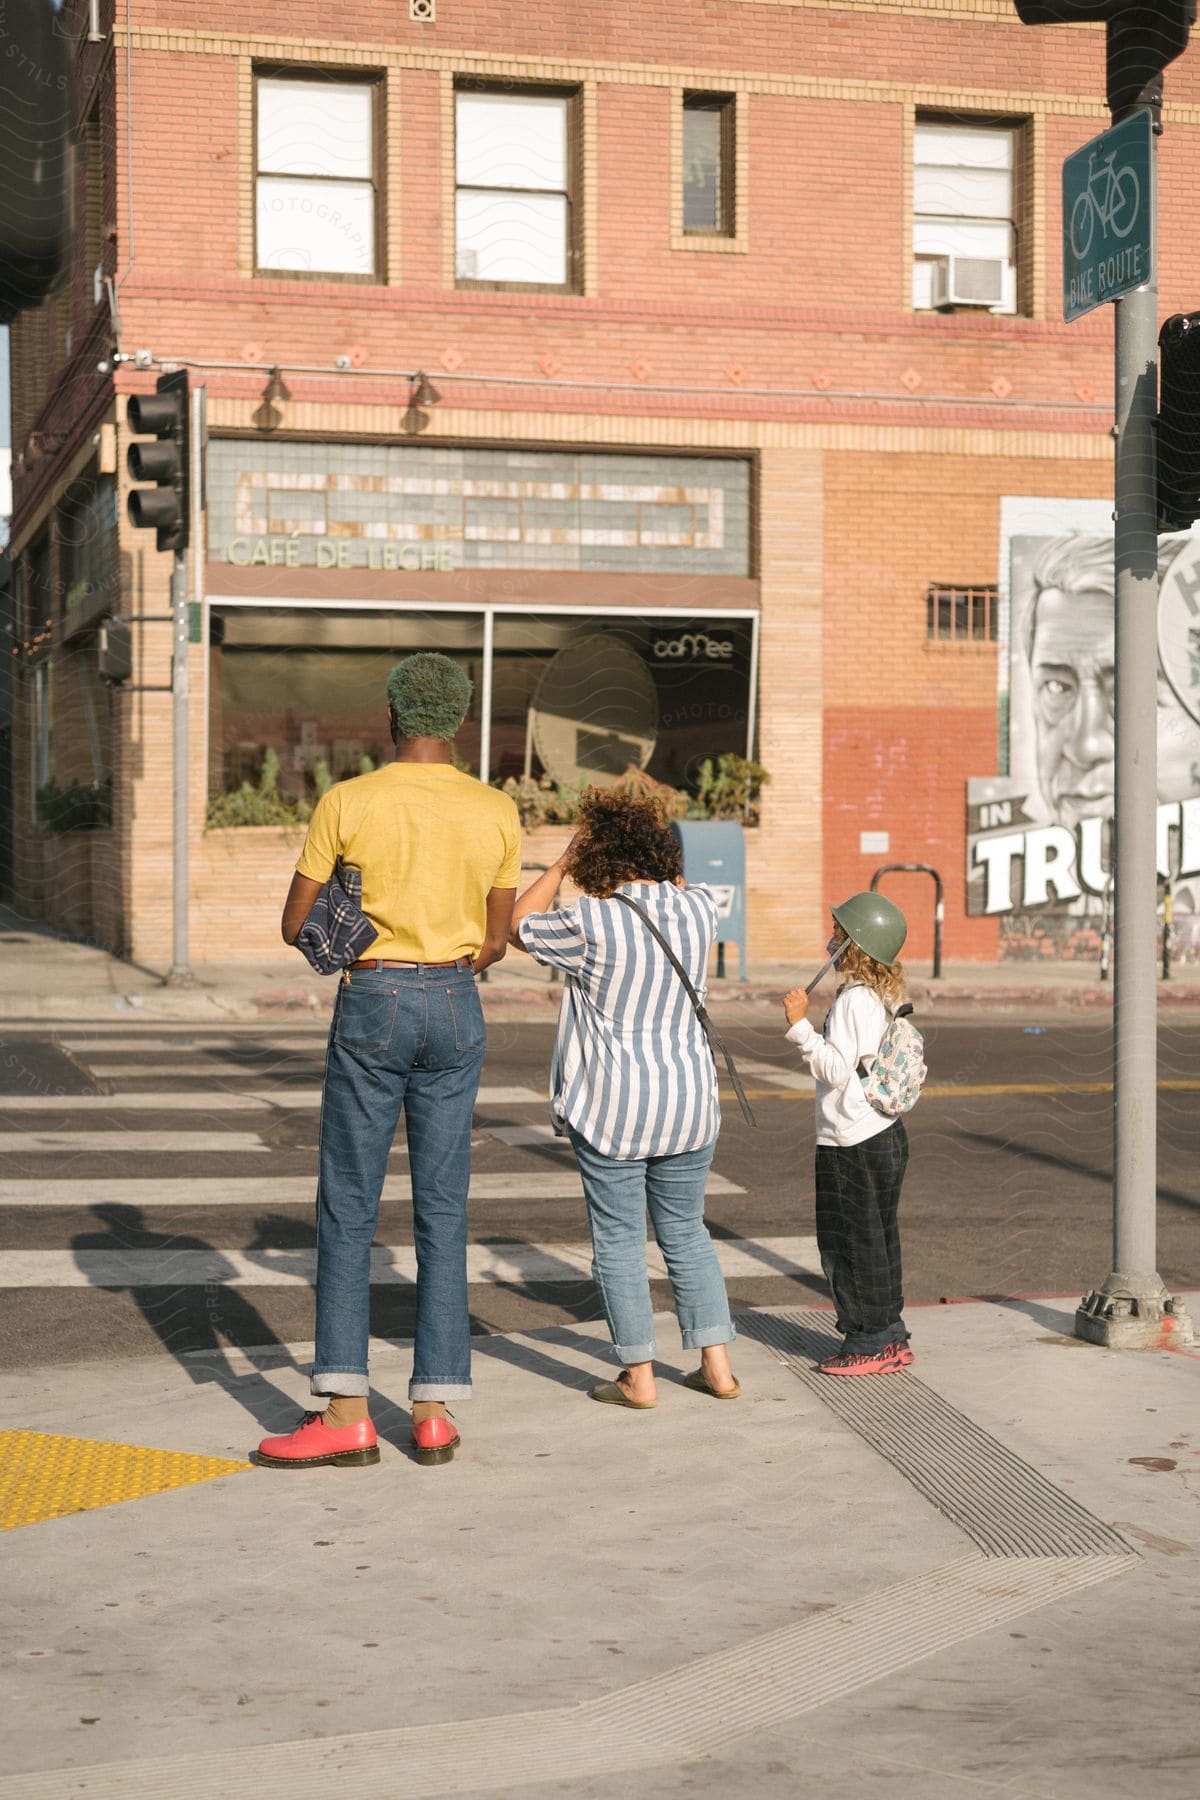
(893, 1079)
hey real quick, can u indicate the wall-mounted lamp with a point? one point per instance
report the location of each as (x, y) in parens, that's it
(421, 393)
(267, 416)
(276, 388)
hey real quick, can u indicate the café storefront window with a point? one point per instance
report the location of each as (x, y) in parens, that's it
(579, 697)
(310, 684)
(565, 695)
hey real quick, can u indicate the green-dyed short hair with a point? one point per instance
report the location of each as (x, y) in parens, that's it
(429, 695)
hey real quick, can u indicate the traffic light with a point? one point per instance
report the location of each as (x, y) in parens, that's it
(37, 106)
(163, 508)
(1179, 422)
(1143, 37)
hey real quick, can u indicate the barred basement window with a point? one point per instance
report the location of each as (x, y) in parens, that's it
(960, 614)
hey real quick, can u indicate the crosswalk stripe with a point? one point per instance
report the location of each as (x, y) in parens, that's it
(107, 1103)
(131, 1143)
(526, 1136)
(112, 1045)
(795, 1079)
(218, 1100)
(392, 1265)
(303, 1098)
(139, 1071)
(273, 1191)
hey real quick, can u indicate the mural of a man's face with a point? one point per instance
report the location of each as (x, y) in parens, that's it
(1071, 661)
(1178, 747)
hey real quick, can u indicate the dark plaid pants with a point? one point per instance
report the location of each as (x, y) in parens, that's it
(858, 1196)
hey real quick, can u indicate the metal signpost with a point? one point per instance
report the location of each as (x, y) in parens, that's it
(1109, 203)
(1108, 254)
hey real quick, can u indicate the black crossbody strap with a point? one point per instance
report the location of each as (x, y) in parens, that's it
(715, 1042)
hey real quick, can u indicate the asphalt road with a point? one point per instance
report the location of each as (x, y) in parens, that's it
(126, 1221)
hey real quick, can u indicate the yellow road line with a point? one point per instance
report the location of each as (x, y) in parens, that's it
(980, 1090)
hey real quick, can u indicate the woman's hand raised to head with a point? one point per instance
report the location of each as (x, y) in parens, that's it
(795, 1005)
(562, 861)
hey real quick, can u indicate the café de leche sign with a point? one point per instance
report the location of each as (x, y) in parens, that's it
(1040, 836)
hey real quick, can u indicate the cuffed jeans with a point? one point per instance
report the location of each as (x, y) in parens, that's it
(618, 1195)
(410, 1039)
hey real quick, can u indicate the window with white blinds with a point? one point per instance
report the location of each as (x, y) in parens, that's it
(514, 206)
(315, 176)
(964, 233)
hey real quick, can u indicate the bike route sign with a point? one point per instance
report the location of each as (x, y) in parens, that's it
(1108, 216)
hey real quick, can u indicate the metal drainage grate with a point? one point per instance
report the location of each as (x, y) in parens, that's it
(1002, 1505)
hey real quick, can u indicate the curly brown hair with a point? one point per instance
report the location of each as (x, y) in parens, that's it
(856, 967)
(621, 837)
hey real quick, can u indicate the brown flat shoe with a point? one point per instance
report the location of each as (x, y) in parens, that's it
(611, 1393)
(700, 1385)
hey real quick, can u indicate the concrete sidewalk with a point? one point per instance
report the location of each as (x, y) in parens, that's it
(44, 975)
(979, 1577)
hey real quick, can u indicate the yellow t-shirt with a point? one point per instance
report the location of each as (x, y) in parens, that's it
(430, 843)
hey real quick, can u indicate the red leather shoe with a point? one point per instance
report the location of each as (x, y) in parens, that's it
(314, 1445)
(435, 1440)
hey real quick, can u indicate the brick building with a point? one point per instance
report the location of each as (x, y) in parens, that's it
(745, 321)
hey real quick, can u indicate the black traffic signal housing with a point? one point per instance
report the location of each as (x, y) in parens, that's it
(1143, 37)
(165, 507)
(1179, 422)
(37, 106)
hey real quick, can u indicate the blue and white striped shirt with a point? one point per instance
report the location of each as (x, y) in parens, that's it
(632, 1072)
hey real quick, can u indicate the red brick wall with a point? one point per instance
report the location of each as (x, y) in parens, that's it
(886, 771)
(887, 438)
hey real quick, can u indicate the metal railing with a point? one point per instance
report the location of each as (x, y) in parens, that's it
(939, 909)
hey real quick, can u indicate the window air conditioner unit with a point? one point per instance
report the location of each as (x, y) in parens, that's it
(968, 281)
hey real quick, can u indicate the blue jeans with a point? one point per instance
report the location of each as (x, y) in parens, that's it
(411, 1039)
(618, 1194)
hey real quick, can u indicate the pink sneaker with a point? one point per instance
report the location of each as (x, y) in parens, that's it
(314, 1445)
(858, 1362)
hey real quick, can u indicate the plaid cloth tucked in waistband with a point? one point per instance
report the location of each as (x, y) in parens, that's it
(336, 931)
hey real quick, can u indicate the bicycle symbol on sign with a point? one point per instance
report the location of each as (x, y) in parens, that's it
(1112, 197)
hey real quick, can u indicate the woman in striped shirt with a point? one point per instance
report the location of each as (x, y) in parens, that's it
(633, 1084)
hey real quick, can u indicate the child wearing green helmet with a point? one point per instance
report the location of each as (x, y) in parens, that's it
(861, 1153)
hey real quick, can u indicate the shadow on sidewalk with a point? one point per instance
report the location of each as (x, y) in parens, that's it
(519, 1353)
(224, 1320)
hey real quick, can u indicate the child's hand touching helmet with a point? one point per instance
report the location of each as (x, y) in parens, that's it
(795, 1005)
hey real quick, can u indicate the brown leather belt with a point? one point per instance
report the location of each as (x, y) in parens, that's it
(377, 962)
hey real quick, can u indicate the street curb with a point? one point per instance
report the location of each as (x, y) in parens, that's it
(533, 1001)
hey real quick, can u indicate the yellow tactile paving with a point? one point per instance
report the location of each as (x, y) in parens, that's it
(47, 1477)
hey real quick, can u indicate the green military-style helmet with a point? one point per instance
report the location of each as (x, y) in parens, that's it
(875, 924)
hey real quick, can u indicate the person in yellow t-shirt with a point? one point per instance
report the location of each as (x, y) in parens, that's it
(440, 858)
